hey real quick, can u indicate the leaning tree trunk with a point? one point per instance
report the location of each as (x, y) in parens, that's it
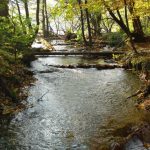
(4, 8)
(122, 25)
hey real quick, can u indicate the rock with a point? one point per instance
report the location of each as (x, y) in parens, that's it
(116, 146)
(145, 105)
(70, 36)
(49, 70)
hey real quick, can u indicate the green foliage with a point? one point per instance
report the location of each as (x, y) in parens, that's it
(79, 36)
(13, 35)
(6, 56)
(5, 60)
(114, 38)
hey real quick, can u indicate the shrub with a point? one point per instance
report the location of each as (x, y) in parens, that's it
(114, 38)
(13, 36)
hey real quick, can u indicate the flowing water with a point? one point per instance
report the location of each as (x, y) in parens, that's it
(77, 109)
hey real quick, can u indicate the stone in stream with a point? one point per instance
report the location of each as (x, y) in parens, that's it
(116, 146)
(51, 70)
(135, 144)
(70, 36)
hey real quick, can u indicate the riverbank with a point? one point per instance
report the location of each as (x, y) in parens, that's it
(138, 134)
(14, 81)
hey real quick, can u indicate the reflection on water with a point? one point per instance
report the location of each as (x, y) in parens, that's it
(72, 109)
(65, 60)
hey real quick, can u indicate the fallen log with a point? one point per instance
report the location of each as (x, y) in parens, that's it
(86, 66)
(103, 53)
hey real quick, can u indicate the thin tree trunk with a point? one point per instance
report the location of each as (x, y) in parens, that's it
(99, 18)
(27, 14)
(88, 25)
(43, 16)
(46, 18)
(20, 19)
(37, 15)
(4, 10)
(82, 22)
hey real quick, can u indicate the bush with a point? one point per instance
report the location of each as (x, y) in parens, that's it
(114, 38)
(13, 36)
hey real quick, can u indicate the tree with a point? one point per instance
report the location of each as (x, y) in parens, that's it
(138, 31)
(46, 18)
(43, 18)
(82, 21)
(96, 19)
(107, 24)
(4, 8)
(27, 14)
(88, 25)
(20, 16)
(37, 14)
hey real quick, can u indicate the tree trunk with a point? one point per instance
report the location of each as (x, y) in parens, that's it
(43, 16)
(138, 33)
(123, 27)
(46, 18)
(82, 22)
(4, 8)
(20, 19)
(37, 15)
(99, 19)
(88, 25)
(126, 13)
(119, 22)
(27, 14)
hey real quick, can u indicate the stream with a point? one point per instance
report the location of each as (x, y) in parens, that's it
(73, 109)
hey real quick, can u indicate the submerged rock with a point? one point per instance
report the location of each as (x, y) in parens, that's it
(51, 70)
(116, 146)
(134, 144)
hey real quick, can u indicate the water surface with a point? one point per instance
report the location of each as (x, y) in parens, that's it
(72, 108)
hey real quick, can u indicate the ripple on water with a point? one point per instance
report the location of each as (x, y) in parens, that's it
(80, 108)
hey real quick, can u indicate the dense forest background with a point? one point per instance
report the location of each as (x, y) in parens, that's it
(88, 19)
